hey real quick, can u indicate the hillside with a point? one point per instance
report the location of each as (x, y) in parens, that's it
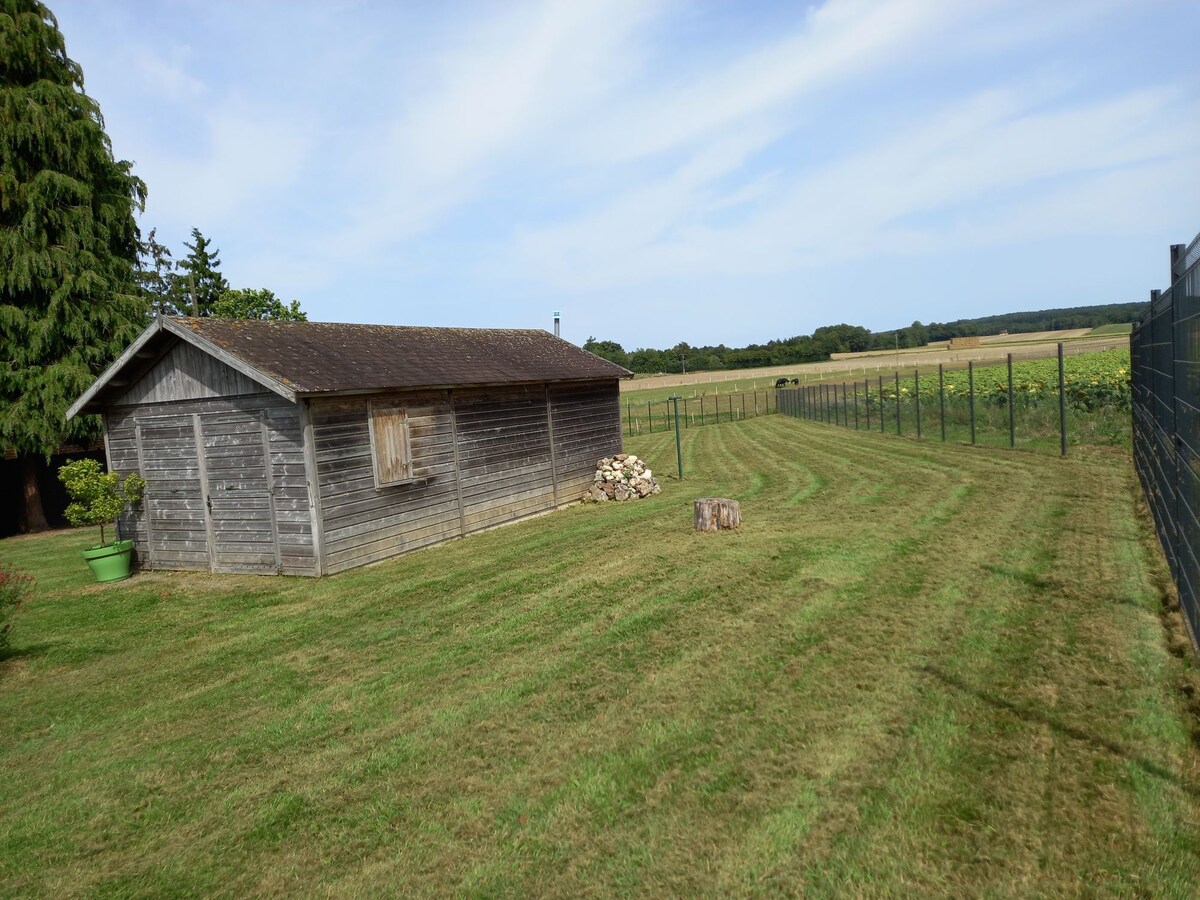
(844, 338)
(1039, 320)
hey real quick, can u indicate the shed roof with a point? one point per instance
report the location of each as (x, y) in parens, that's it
(295, 358)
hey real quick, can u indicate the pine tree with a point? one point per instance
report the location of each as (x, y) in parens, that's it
(154, 272)
(198, 284)
(69, 302)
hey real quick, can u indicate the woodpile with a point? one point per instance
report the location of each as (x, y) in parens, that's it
(621, 477)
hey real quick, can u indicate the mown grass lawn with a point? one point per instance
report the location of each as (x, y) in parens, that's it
(916, 669)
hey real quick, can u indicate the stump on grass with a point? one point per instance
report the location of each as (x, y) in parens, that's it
(714, 513)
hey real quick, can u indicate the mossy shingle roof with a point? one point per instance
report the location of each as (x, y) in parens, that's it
(319, 357)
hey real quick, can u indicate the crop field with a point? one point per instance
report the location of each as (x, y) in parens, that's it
(1096, 386)
(1097, 390)
(851, 367)
(1103, 330)
(916, 669)
(1093, 381)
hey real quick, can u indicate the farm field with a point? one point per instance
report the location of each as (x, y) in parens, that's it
(916, 669)
(847, 367)
(1097, 391)
(1103, 330)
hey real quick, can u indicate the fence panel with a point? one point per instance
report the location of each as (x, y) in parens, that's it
(1165, 363)
(640, 417)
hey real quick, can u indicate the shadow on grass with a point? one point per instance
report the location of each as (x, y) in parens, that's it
(1029, 714)
(31, 651)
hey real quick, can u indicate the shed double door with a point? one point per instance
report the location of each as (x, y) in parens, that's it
(210, 492)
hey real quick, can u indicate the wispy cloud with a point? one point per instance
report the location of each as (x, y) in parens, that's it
(495, 95)
(982, 159)
(843, 41)
(634, 150)
(167, 78)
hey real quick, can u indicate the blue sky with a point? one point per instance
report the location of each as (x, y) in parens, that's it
(661, 171)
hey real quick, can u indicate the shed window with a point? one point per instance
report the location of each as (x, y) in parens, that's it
(391, 449)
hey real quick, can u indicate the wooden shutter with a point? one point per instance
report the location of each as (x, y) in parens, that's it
(391, 451)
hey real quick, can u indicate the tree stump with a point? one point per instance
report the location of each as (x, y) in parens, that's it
(714, 513)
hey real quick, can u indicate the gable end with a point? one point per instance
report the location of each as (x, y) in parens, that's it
(186, 372)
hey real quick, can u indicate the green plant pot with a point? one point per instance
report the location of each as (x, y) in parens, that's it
(110, 562)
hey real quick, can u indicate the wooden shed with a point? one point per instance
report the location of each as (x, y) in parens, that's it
(308, 448)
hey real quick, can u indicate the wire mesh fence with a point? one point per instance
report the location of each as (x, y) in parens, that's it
(694, 412)
(1165, 356)
(1049, 404)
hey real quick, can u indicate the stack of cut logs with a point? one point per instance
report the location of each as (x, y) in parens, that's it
(621, 477)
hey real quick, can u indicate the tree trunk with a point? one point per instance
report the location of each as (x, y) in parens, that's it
(33, 517)
(714, 513)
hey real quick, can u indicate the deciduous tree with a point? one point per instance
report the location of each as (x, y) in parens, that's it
(246, 303)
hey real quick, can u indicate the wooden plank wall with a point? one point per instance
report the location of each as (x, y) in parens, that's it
(587, 427)
(503, 457)
(174, 534)
(504, 454)
(187, 373)
(500, 468)
(244, 529)
(163, 449)
(363, 523)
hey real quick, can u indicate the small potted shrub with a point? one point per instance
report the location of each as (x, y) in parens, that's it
(98, 498)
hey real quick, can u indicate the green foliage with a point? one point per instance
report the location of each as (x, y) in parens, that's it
(69, 302)
(246, 303)
(16, 587)
(155, 274)
(199, 284)
(610, 350)
(1039, 320)
(845, 338)
(98, 497)
(842, 339)
(1092, 382)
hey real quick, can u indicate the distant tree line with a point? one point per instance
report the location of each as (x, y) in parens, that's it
(844, 338)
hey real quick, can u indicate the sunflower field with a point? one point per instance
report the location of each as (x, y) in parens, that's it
(1097, 393)
(1093, 381)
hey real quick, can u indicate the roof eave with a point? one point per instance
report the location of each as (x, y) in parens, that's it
(353, 392)
(131, 352)
(164, 324)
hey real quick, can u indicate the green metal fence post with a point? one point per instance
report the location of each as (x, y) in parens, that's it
(917, 395)
(881, 422)
(897, 401)
(942, 398)
(971, 391)
(678, 443)
(1062, 403)
(1012, 416)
